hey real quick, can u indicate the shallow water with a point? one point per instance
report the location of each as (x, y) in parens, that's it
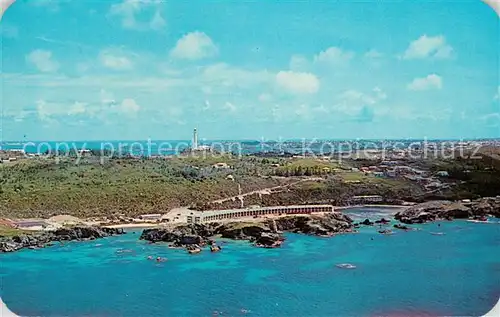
(408, 273)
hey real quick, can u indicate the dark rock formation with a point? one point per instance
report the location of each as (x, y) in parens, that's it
(41, 239)
(443, 209)
(366, 222)
(263, 234)
(402, 227)
(215, 248)
(269, 240)
(242, 231)
(328, 224)
(181, 236)
(486, 206)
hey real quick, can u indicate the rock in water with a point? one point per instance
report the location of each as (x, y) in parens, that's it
(269, 240)
(263, 234)
(444, 209)
(41, 239)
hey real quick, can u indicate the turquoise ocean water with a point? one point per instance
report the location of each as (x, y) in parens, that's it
(408, 273)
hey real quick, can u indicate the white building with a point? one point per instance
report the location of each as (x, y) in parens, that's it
(194, 145)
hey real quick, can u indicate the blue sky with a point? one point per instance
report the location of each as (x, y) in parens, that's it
(138, 69)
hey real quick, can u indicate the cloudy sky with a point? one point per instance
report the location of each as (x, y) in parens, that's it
(137, 69)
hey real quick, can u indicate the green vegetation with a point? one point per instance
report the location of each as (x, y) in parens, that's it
(306, 167)
(474, 177)
(43, 188)
(129, 186)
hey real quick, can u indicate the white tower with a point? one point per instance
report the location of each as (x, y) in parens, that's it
(195, 140)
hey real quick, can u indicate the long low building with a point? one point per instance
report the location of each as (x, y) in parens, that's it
(218, 215)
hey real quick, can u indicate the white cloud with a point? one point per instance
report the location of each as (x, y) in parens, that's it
(129, 106)
(373, 54)
(193, 46)
(77, 108)
(497, 96)
(298, 83)
(432, 81)
(115, 60)
(428, 47)
(48, 110)
(334, 56)
(298, 63)
(379, 94)
(352, 101)
(130, 12)
(42, 60)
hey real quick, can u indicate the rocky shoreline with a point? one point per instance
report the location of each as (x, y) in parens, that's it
(46, 238)
(449, 210)
(267, 234)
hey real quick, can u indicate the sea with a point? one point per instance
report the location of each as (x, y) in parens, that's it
(150, 147)
(447, 268)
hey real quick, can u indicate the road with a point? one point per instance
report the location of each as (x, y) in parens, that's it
(180, 214)
(265, 191)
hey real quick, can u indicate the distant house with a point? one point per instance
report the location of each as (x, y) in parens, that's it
(85, 152)
(220, 165)
(390, 173)
(378, 174)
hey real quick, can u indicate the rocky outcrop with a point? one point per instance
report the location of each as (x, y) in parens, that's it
(424, 212)
(180, 236)
(443, 209)
(42, 239)
(486, 206)
(242, 231)
(263, 234)
(323, 225)
(269, 240)
(366, 222)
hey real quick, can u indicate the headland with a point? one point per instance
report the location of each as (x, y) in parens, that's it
(44, 194)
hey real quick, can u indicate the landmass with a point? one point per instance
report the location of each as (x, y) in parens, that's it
(160, 191)
(35, 240)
